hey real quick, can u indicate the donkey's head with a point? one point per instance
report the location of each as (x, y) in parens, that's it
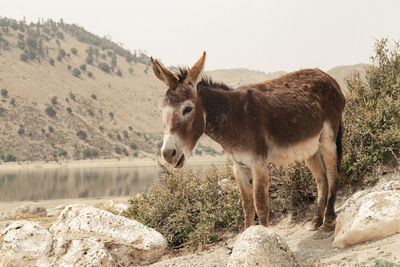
(183, 112)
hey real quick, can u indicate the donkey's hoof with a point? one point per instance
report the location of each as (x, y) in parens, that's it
(315, 224)
(328, 226)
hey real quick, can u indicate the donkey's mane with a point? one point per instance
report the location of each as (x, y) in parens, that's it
(206, 81)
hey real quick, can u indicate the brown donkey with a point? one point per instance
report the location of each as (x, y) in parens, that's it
(293, 118)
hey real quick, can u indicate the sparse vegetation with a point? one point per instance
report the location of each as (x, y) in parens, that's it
(118, 149)
(51, 61)
(90, 153)
(125, 134)
(83, 67)
(21, 131)
(94, 96)
(69, 109)
(74, 51)
(89, 74)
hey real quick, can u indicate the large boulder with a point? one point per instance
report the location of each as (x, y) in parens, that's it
(261, 246)
(128, 242)
(368, 215)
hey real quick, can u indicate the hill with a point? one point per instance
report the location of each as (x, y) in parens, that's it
(69, 94)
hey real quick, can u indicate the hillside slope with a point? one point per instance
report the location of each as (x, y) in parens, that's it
(68, 94)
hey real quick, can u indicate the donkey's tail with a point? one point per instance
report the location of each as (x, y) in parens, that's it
(339, 146)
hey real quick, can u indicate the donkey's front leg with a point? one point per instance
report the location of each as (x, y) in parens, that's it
(260, 191)
(245, 180)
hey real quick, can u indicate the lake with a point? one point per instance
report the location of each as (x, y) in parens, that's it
(87, 182)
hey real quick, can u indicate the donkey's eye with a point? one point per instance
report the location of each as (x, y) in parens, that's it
(187, 110)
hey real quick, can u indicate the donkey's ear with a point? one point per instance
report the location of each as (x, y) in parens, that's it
(163, 73)
(196, 72)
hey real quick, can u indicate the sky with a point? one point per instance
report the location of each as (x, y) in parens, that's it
(260, 35)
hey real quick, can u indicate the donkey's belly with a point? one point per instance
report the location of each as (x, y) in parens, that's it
(296, 152)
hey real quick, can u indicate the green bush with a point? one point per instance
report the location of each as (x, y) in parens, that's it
(94, 96)
(10, 158)
(76, 72)
(24, 57)
(119, 73)
(89, 153)
(69, 109)
(118, 149)
(21, 131)
(50, 111)
(104, 67)
(54, 100)
(89, 74)
(51, 61)
(74, 51)
(125, 134)
(83, 67)
(372, 116)
(81, 134)
(4, 92)
(133, 146)
(188, 209)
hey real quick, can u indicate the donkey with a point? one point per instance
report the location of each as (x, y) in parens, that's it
(293, 118)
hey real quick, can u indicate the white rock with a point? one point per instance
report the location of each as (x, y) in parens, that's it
(114, 207)
(261, 246)
(81, 252)
(25, 243)
(368, 216)
(128, 241)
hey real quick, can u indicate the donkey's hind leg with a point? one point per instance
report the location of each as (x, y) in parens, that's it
(244, 178)
(316, 167)
(329, 157)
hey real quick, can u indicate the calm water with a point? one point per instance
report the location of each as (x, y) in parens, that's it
(61, 183)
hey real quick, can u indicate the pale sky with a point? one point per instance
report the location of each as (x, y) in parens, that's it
(255, 34)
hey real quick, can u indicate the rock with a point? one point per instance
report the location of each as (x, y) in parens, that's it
(128, 242)
(114, 207)
(261, 246)
(55, 211)
(368, 216)
(81, 252)
(27, 243)
(24, 243)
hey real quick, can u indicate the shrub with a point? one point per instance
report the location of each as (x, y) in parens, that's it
(30, 42)
(54, 100)
(12, 101)
(133, 146)
(188, 209)
(21, 131)
(74, 51)
(125, 134)
(69, 109)
(94, 96)
(72, 96)
(76, 72)
(59, 58)
(119, 73)
(4, 92)
(24, 57)
(118, 149)
(89, 60)
(60, 35)
(81, 134)
(62, 153)
(125, 151)
(89, 74)
(111, 114)
(90, 153)
(83, 67)
(50, 111)
(51, 61)
(51, 129)
(69, 67)
(62, 53)
(372, 115)
(104, 67)
(10, 158)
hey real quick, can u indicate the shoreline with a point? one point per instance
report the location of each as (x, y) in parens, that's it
(106, 163)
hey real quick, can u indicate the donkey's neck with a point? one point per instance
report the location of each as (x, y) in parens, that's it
(218, 112)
